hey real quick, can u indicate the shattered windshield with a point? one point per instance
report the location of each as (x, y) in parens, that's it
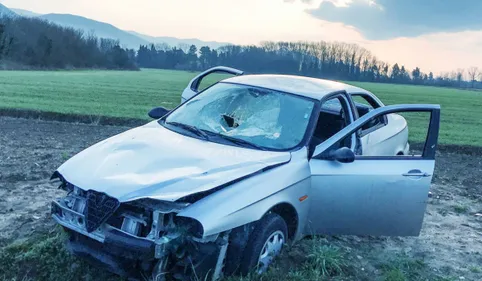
(246, 116)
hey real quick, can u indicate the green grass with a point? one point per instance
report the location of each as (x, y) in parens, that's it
(133, 94)
(45, 258)
(475, 269)
(404, 268)
(460, 209)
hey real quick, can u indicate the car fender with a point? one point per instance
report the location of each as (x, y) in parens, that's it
(250, 199)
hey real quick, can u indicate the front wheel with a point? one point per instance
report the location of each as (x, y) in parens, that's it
(265, 244)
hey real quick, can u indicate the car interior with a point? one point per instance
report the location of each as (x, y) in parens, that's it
(332, 118)
(365, 104)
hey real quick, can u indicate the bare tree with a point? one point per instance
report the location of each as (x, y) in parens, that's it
(460, 76)
(473, 74)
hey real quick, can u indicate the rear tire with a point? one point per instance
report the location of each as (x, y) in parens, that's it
(265, 244)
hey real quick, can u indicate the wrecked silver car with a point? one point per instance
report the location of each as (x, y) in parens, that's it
(218, 185)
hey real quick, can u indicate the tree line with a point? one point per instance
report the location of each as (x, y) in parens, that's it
(35, 43)
(330, 60)
(38, 44)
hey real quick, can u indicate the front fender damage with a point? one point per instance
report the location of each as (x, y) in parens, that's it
(147, 235)
(138, 238)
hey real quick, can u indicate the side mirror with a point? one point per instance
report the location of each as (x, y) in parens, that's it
(342, 155)
(158, 112)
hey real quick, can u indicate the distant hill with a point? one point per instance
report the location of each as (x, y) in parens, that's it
(25, 13)
(6, 12)
(100, 29)
(173, 41)
(130, 39)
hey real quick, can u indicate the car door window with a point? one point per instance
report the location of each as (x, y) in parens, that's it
(364, 104)
(406, 135)
(334, 115)
(375, 195)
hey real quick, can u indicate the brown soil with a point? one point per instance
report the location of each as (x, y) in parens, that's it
(450, 242)
(30, 151)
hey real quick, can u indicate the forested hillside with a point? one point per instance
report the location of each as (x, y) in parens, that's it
(37, 44)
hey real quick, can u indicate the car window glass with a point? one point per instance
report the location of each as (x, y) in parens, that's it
(363, 106)
(268, 118)
(417, 126)
(362, 102)
(332, 119)
(405, 135)
(332, 104)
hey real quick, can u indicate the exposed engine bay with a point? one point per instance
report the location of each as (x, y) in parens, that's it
(139, 238)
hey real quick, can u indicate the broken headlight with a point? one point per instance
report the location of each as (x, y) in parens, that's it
(164, 219)
(190, 225)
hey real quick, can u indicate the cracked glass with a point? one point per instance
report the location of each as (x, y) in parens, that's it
(266, 118)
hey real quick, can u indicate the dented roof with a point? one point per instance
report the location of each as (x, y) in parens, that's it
(304, 86)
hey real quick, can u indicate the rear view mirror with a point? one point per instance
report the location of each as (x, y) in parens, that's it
(342, 155)
(158, 112)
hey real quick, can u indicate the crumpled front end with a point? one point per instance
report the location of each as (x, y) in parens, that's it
(145, 235)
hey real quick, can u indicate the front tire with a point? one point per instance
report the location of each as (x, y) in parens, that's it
(265, 244)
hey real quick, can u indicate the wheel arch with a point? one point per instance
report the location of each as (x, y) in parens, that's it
(290, 216)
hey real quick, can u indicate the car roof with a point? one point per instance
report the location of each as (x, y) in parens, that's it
(304, 86)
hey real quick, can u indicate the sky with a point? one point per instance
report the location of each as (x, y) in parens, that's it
(436, 35)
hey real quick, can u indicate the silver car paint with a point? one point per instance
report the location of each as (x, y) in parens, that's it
(306, 86)
(250, 199)
(368, 197)
(370, 184)
(390, 139)
(152, 161)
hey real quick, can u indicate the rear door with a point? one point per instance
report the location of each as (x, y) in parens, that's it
(373, 195)
(194, 86)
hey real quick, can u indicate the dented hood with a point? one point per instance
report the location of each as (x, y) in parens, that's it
(153, 162)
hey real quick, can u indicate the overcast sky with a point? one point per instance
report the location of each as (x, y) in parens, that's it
(438, 35)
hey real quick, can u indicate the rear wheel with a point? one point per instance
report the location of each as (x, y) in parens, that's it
(265, 244)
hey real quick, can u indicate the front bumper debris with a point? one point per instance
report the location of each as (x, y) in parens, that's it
(140, 236)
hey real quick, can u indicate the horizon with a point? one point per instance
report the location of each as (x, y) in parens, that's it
(437, 47)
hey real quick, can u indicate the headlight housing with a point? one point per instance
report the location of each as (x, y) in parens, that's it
(192, 226)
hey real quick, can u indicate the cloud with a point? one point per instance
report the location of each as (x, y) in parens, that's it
(386, 19)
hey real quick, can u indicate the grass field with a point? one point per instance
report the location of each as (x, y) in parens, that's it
(132, 94)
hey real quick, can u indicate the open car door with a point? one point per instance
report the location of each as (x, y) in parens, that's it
(193, 86)
(372, 195)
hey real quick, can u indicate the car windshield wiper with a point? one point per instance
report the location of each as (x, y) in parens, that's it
(239, 141)
(190, 128)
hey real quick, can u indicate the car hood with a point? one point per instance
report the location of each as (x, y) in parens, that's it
(153, 162)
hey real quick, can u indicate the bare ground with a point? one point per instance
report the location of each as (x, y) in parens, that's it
(450, 243)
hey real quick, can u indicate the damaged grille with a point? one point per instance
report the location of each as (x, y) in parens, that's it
(99, 207)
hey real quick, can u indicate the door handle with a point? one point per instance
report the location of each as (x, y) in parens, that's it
(416, 173)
